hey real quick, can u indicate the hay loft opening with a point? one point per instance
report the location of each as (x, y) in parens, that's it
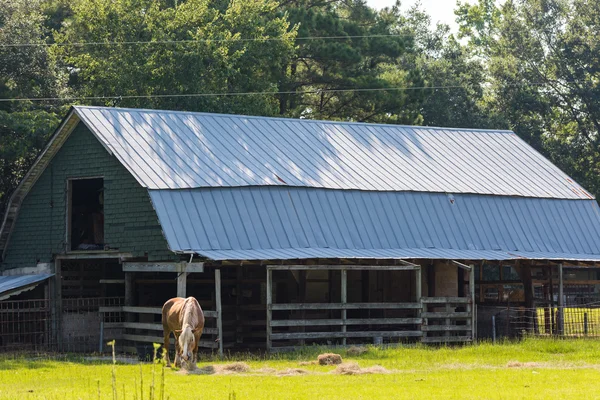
(86, 210)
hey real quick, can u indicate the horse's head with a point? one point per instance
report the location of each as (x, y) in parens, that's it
(186, 343)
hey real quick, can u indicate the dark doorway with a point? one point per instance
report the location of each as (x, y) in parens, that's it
(87, 214)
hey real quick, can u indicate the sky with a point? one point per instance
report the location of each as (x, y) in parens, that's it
(439, 10)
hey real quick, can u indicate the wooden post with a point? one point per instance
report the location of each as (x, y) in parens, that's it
(419, 285)
(418, 294)
(219, 309)
(473, 305)
(239, 328)
(344, 300)
(269, 303)
(58, 314)
(182, 283)
(561, 311)
(129, 295)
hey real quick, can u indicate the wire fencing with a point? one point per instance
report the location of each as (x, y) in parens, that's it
(498, 322)
(32, 325)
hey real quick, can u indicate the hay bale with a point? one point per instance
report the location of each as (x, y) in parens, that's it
(267, 370)
(236, 367)
(518, 364)
(292, 372)
(375, 369)
(329, 359)
(206, 370)
(354, 369)
(307, 363)
(356, 350)
(347, 369)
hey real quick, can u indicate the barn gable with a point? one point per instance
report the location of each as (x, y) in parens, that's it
(130, 222)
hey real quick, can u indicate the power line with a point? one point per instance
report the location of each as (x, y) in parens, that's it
(224, 94)
(192, 41)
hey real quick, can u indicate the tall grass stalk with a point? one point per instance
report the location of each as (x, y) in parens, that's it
(114, 370)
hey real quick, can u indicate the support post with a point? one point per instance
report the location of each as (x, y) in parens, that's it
(344, 300)
(182, 283)
(418, 285)
(219, 309)
(129, 295)
(473, 305)
(269, 303)
(561, 305)
(418, 294)
(57, 306)
(493, 329)
(585, 324)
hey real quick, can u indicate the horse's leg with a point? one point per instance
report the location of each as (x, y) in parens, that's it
(166, 334)
(195, 354)
(177, 352)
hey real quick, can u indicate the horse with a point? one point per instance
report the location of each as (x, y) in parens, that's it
(185, 319)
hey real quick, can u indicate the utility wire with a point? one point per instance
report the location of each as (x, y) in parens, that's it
(183, 95)
(192, 41)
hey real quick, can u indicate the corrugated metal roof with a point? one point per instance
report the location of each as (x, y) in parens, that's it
(12, 285)
(392, 254)
(178, 150)
(282, 223)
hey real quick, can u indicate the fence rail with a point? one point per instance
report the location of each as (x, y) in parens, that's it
(421, 320)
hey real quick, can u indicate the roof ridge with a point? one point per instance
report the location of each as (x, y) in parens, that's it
(289, 119)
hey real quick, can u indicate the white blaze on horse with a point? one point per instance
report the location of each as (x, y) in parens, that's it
(185, 319)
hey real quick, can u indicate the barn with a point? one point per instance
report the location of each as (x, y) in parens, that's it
(290, 232)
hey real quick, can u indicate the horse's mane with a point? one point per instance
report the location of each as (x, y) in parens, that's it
(190, 317)
(190, 321)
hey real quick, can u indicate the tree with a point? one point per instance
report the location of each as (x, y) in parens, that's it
(544, 72)
(348, 47)
(193, 48)
(26, 71)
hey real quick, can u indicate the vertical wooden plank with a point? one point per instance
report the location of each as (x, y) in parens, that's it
(182, 284)
(418, 290)
(344, 300)
(219, 309)
(561, 315)
(269, 303)
(239, 330)
(418, 285)
(472, 305)
(58, 313)
(129, 317)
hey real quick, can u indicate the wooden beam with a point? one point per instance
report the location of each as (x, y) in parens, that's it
(335, 335)
(87, 255)
(444, 300)
(410, 267)
(353, 321)
(163, 267)
(461, 265)
(347, 306)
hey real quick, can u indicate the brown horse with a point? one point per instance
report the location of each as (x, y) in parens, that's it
(185, 319)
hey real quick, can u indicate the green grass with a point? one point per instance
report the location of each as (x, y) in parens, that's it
(556, 369)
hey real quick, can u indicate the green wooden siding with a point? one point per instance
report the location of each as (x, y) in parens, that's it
(131, 224)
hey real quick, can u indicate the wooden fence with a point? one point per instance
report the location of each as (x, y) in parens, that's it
(421, 320)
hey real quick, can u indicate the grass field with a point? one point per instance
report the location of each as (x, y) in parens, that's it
(531, 369)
